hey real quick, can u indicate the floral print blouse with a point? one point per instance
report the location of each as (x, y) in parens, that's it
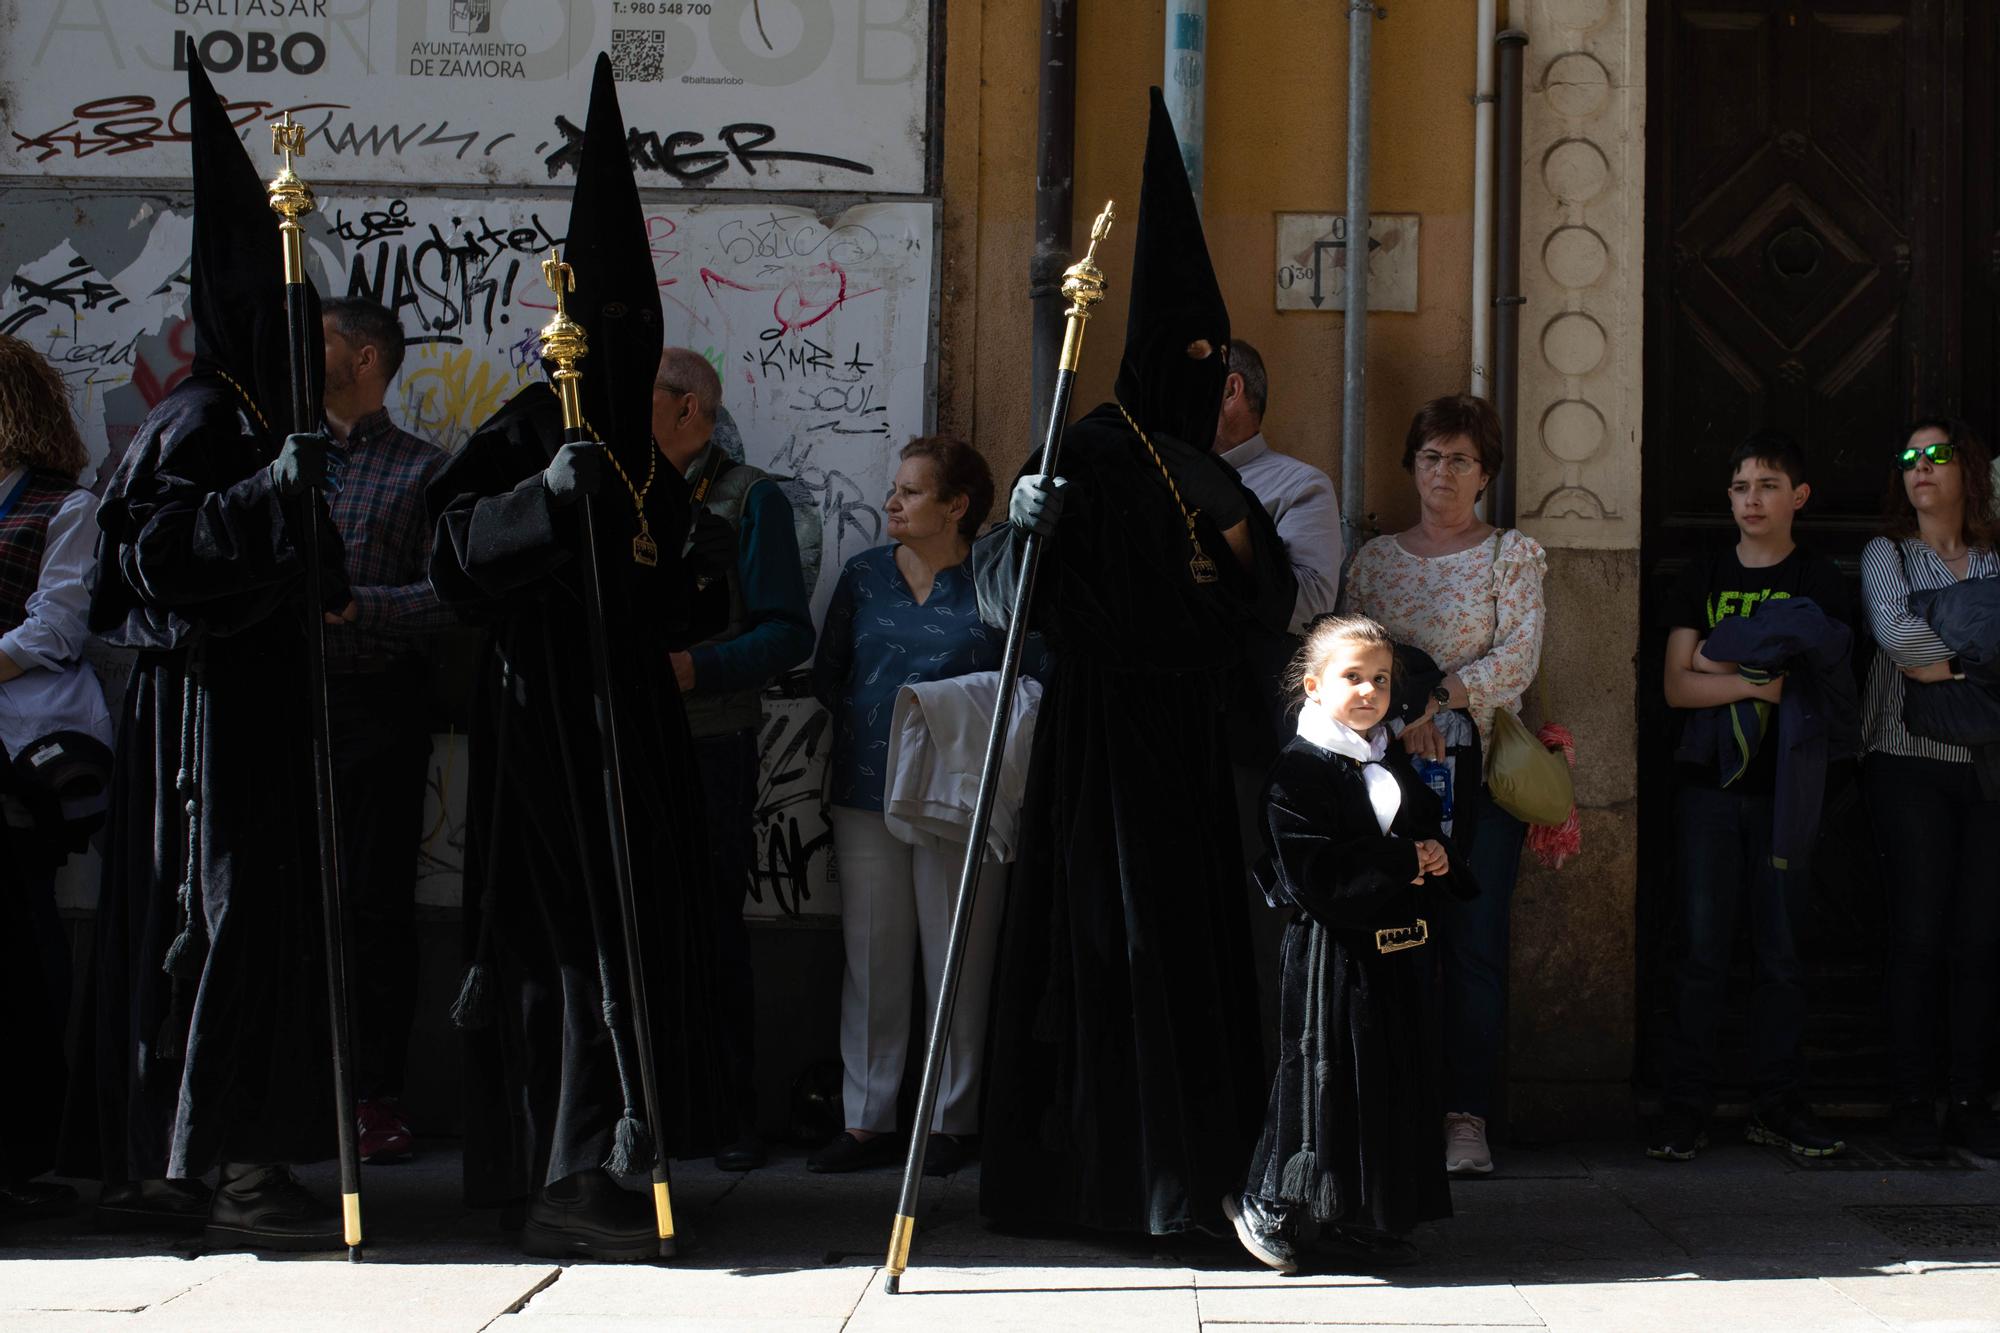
(1478, 612)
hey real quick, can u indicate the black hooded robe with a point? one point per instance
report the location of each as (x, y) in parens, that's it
(228, 1058)
(1356, 1085)
(542, 1080)
(1125, 1067)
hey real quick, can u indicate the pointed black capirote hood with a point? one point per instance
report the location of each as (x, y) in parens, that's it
(1175, 303)
(617, 296)
(236, 281)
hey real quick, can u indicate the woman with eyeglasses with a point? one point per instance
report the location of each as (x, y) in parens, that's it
(1471, 597)
(1933, 827)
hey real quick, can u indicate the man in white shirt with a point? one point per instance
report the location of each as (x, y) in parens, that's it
(1299, 497)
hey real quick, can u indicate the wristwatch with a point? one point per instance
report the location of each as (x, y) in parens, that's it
(1440, 693)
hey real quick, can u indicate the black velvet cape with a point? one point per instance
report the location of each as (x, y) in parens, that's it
(1125, 1068)
(226, 1058)
(1351, 1134)
(543, 1090)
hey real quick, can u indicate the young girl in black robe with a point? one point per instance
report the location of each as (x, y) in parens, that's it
(1348, 1161)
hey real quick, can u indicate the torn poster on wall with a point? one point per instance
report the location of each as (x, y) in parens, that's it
(731, 94)
(818, 327)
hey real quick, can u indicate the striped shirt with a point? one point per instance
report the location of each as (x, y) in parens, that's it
(1906, 640)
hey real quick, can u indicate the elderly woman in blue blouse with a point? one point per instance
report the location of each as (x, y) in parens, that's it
(902, 614)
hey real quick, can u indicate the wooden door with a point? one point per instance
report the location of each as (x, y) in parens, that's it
(1806, 268)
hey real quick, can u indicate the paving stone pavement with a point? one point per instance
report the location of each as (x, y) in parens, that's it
(1590, 1238)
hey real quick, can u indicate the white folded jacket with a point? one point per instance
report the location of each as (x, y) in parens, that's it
(937, 742)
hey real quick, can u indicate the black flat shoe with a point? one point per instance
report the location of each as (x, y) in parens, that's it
(1342, 1250)
(588, 1216)
(946, 1154)
(746, 1154)
(33, 1200)
(266, 1208)
(153, 1205)
(847, 1153)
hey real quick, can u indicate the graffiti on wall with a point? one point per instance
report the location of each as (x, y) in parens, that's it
(818, 327)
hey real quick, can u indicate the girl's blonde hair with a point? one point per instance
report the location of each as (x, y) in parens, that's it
(1325, 635)
(37, 426)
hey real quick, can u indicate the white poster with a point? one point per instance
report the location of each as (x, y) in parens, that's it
(793, 95)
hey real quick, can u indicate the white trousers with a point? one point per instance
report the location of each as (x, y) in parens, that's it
(894, 898)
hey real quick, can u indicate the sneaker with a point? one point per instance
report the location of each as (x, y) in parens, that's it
(1971, 1127)
(1913, 1130)
(385, 1135)
(1793, 1128)
(1681, 1134)
(1262, 1232)
(1465, 1150)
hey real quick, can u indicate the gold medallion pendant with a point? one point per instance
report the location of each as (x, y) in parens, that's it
(645, 551)
(1201, 566)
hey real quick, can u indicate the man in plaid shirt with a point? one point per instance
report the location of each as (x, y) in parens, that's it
(378, 686)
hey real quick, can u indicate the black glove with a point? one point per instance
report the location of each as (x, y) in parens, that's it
(713, 554)
(308, 460)
(577, 470)
(1036, 505)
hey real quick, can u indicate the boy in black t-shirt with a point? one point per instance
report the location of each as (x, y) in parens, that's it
(1723, 834)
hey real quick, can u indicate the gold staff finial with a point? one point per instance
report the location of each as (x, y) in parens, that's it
(563, 339)
(1083, 283)
(290, 198)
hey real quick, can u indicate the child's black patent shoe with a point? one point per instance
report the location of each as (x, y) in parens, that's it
(1263, 1231)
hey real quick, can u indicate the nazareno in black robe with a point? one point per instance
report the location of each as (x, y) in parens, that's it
(542, 1079)
(226, 1057)
(1351, 1132)
(1125, 1070)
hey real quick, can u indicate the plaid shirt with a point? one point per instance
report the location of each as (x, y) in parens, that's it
(381, 517)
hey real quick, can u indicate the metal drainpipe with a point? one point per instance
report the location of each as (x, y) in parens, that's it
(1480, 380)
(1508, 302)
(1055, 173)
(1361, 17)
(1186, 80)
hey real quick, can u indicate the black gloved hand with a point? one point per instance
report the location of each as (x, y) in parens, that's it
(308, 460)
(1036, 505)
(577, 470)
(713, 554)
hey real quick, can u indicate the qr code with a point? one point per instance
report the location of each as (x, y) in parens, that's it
(638, 56)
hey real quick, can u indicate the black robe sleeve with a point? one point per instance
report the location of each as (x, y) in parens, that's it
(195, 526)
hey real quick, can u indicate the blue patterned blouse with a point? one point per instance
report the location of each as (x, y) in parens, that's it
(876, 640)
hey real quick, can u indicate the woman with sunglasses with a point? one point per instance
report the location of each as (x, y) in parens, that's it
(1933, 828)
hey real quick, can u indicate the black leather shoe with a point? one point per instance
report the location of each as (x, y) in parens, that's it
(153, 1205)
(1263, 1231)
(33, 1200)
(1345, 1250)
(847, 1153)
(266, 1208)
(588, 1216)
(746, 1154)
(945, 1154)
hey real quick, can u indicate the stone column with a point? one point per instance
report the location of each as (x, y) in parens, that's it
(1572, 1015)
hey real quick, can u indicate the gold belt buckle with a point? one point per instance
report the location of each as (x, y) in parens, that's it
(1395, 939)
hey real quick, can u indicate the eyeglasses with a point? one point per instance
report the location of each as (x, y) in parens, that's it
(1459, 465)
(1939, 453)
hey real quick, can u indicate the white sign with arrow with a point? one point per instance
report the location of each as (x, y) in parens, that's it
(1312, 261)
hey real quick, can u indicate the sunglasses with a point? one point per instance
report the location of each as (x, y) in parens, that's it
(1939, 454)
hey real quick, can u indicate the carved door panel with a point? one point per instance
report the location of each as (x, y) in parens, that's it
(1803, 243)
